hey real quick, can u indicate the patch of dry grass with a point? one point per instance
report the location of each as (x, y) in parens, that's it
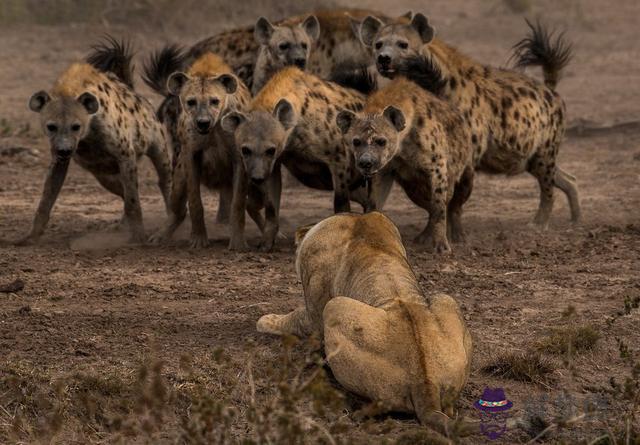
(570, 340)
(528, 367)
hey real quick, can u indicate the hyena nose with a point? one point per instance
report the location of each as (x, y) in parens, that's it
(300, 62)
(384, 60)
(366, 162)
(257, 180)
(203, 124)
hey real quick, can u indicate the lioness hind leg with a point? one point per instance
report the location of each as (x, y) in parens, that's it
(295, 323)
(363, 355)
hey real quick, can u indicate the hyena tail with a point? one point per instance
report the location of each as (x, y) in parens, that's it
(161, 65)
(424, 72)
(113, 56)
(540, 48)
(354, 76)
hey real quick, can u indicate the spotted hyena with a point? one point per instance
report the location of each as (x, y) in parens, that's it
(207, 154)
(316, 42)
(93, 115)
(422, 141)
(516, 123)
(291, 122)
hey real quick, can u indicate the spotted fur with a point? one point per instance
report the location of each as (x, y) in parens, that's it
(422, 141)
(208, 90)
(516, 123)
(291, 122)
(94, 116)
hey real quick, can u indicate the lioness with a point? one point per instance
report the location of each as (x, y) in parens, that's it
(384, 339)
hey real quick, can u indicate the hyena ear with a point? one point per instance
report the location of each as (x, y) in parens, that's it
(175, 83)
(231, 121)
(89, 102)
(263, 31)
(229, 83)
(311, 26)
(421, 24)
(368, 30)
(344, 119)
(38, 101)
(355, 27)
(301, 232)
(395, 117)
(285, 114)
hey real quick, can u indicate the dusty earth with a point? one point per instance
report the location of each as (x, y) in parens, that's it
(94, 309)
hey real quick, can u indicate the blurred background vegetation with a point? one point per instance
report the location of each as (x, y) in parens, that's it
(149, 13)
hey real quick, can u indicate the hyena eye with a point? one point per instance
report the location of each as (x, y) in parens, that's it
(75, 128)
(214, 102)
(381, 142)
(284, 46)
(304, 46)
(403, 45)
(357, 142)
(378, 45)
(52, 128)
(192, 103)
(246, 151)
(271, 151)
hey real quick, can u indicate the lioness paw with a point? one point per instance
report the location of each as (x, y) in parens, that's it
(269, 324)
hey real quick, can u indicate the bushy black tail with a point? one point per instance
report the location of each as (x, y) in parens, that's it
(161, 65)
(113, 56)
(356, 77)
(424, 72)
(541, 49)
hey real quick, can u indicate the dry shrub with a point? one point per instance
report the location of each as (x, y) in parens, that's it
(528, 366)
(570, 340)
(518, 6)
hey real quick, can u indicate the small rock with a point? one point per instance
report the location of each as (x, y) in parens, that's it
(15, 286)
(24, 310)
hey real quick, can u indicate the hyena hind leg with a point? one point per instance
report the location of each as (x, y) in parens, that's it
(461, 194)
(114, 185)
(162, 165)
(295, 323)
(544, 170)
(567, 183)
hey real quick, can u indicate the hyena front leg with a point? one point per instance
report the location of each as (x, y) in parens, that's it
(238, 208)
(340, 178)
(55, 178)
(435, 233)
(177, 202)
(132, 209)
(224, 205)
(272, 224)
(199, 236)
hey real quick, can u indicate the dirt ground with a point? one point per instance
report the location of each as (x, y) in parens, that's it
(96, 308)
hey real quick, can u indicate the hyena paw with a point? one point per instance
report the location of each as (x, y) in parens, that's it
(458, 236)
(199, 241)
(28, 240)
(138, 237)
(238, 245)
(440, 245)
(158, 238)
